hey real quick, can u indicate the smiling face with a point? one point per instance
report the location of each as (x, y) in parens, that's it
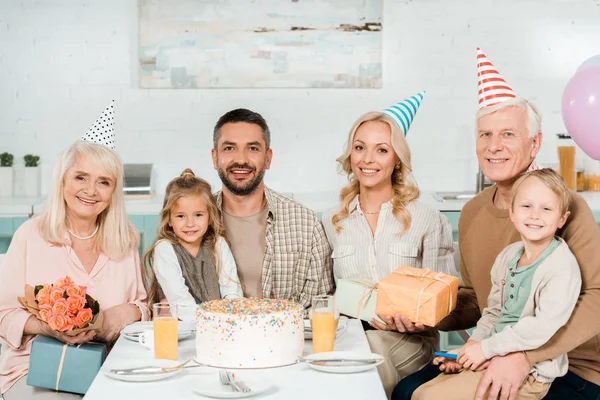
(372, 157)
(88, 189)
(189, 220)
(241, 157)
(536, 211)
(504, 149)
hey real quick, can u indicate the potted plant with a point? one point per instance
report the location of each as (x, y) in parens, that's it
(32, 175)
(6, 175)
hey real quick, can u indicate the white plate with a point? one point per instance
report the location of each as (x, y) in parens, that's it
(131, 332)
(345, 369)
(341, 328)
(142, 377)
(215, 390)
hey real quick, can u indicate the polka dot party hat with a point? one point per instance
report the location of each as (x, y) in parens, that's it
(404, 112)
(102, 132)
(493, 89)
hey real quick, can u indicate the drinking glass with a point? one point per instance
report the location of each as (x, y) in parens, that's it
(323, 323)
(165, 331)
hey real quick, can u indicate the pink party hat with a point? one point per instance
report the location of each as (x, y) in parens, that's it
(493, 89)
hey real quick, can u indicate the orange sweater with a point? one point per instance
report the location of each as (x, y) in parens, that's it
(484, 231)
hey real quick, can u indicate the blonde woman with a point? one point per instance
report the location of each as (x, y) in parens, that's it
(84, 232)
(380, 225)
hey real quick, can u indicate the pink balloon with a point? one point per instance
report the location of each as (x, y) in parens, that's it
(581, 110)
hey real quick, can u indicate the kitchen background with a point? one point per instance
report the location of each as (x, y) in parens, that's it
(61, 62)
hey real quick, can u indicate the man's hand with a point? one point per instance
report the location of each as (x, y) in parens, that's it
(504, 377)
(399, 323)
(447, 365)
(471, 356)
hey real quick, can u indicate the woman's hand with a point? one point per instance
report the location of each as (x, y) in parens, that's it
(471, 355)
(399, 323)
(115, 319)
(447, 365)
(34, 326)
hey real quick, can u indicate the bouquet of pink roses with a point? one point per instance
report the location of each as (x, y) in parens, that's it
(64, 306)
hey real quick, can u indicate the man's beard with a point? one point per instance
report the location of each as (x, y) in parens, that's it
(247, 188)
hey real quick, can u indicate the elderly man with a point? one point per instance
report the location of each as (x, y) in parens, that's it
(508, 139)
(279, 246)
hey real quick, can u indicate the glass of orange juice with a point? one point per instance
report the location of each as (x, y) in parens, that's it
(322, 322)
(165, 331)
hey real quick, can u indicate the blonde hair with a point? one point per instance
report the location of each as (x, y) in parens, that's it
(187, 184)
(552, 180)
(116, 234)
(403, 183)
(534, 117)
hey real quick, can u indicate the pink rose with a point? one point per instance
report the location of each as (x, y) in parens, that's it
(45, 312)
(43, 292)
(76, 290)
(56, 294)
(83, 317)
(46, 301)
(60, 307)
(59, 322)
(63, 283)
(75, 303)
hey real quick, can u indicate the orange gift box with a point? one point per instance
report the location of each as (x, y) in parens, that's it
(419, 294)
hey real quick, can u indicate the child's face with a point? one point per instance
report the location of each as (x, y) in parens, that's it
(189, 219)
(536, 211)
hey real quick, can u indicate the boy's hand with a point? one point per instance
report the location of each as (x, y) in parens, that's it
(471, 356)
(447, 365)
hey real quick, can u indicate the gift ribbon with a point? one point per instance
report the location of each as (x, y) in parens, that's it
(60, 364)
(366, 294)
(434, 279)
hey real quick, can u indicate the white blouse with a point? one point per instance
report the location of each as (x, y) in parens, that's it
(169, 275)
(360, 254)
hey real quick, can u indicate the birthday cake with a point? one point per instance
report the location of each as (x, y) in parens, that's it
(249, 333)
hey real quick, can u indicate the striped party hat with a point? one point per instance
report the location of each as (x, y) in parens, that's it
(493, 89)
(102, 132)
(404, 112)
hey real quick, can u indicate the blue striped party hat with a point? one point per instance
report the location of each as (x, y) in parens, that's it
(404, 112)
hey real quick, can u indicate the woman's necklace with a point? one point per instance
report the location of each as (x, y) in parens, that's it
(84, 238)
(371, 213)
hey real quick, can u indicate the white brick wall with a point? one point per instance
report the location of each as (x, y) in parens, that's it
(61, 61)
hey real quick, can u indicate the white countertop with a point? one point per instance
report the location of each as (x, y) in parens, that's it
(317, 201)
(17, 206)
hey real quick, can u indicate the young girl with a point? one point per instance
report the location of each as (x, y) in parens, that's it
(190, 261)
(535, 285)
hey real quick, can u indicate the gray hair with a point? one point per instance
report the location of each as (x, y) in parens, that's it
(534, 117)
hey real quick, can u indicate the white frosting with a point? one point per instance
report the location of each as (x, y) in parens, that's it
(249, 333)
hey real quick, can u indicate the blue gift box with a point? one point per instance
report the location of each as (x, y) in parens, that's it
(68, 368)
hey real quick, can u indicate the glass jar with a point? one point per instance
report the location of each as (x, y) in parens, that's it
(592, 172)
(566, 160)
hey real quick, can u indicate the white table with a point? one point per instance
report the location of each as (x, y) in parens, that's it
(293, 382)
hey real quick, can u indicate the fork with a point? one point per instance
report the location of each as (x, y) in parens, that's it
(228, 379)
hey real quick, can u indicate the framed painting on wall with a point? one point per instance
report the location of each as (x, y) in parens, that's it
(260, 44)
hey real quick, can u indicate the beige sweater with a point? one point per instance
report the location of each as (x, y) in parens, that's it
(543, 314)
(484, 231)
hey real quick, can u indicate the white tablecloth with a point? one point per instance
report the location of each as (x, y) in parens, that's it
(293, 382)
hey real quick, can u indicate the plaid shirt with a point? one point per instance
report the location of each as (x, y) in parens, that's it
(297, 264)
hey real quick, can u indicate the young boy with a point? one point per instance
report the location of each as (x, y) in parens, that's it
(535, 285)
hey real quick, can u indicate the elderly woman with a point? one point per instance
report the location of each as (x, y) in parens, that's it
(380, 226)
(83, 233)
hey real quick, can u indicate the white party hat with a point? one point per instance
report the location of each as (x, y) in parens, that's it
(102, 132)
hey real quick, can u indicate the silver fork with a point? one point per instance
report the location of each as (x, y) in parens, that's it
(228, 379)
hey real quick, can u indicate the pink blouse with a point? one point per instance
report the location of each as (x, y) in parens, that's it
(33, 261)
